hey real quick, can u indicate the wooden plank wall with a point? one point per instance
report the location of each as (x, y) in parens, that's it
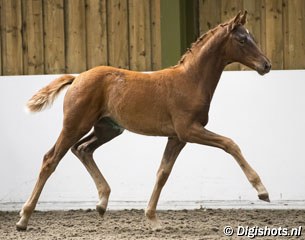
(54, 37)
(278, 26)
(11, 38)
(70, 36)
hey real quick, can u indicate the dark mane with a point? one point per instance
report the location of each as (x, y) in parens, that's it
(203, 39)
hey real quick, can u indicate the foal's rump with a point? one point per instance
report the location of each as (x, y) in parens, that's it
(85, 83)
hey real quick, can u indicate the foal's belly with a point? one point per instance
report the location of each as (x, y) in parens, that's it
(146, 116)
(144, 124)
(157, 129)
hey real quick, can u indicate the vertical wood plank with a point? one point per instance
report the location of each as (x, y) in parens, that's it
(230, 8)
(96, 29)
(54, 50)
(76, 59)
(33, 37)
(172, 32)
(117, 23)
(294, 56)
(209, 15)
(189, 15)
(12, 48)
(155, 34)
(274, 32)
(139, 35)
(263, 26)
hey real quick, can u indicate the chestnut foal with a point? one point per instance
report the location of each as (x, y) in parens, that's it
(173, 102)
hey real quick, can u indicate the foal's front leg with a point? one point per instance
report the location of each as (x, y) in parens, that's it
(172, 150)
(198, 134)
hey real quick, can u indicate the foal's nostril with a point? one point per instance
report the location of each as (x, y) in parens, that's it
(267, 66)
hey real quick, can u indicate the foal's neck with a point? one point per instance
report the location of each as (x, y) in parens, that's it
(206, 67)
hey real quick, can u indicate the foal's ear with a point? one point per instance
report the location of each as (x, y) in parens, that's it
(243, 18)
(234, 22)
(237, 18)
(240, 19)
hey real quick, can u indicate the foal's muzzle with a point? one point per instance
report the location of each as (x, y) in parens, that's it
(264, 67)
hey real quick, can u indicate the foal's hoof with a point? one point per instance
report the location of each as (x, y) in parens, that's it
(101, 210)
(153, 221)
(155, 224)
(20, 227)
(264, 197)
(22, 224)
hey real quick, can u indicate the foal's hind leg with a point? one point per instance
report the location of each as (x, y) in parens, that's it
(50, 162)
(102, 133)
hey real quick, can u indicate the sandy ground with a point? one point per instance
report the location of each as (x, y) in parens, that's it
(131, 224)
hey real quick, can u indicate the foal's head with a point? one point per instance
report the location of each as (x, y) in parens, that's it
(241, 47)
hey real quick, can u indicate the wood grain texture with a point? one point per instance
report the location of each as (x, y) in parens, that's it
(274, 32)
(11, 36)
(209, 14)
(33, 60)
(117, 25)
(54, 36)
(139, 35)
(294, 41)
(155, 34)
(75, 36)
(96, 33)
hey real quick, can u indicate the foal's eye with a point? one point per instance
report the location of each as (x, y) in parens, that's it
(242, 41)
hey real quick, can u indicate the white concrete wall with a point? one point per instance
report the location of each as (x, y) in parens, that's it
(264, 115)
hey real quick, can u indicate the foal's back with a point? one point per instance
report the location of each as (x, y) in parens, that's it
(139, 102)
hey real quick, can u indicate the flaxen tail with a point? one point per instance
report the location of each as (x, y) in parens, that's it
(46, 96)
